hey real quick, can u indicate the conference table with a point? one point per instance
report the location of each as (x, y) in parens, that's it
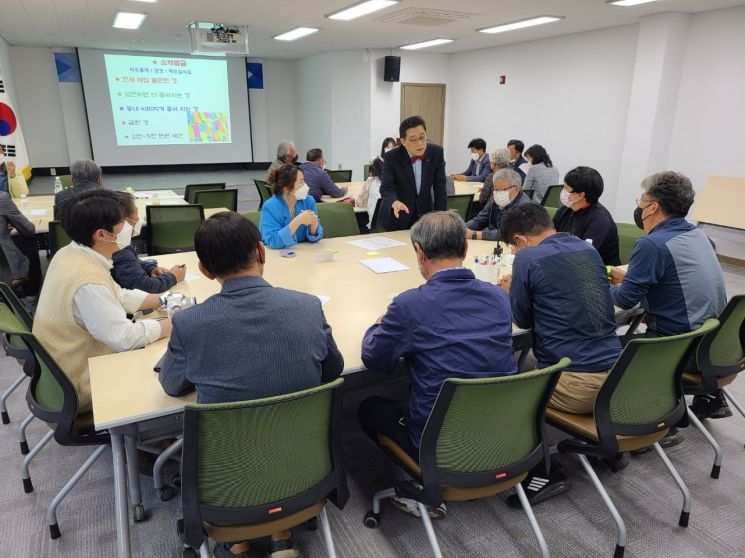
(129, 401)
(353, 188)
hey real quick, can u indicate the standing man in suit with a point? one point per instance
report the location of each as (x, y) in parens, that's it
(413, 180)
(20, 250)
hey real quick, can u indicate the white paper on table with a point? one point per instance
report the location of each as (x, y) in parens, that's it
(375, 243)
(324, 299)
(191, 277)
(35, 212)
(384, 265)
(143, 195)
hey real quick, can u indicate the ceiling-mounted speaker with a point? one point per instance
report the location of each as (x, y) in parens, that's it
(392, 70)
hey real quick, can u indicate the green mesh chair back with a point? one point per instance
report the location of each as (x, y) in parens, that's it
(551, 210)
(375, 225)
(191, 190)
(253, 216)
(552, 196)
(210, 199)
(485, 430)
(66, 180)
(58, 237)
(52, 398)
(365, 171)
(628, 234)
(722, 352)
(265, 193)
(260, 460)
(461, 204)
(15, 320)
(340, 175)
(171, 228)
(337, 219)
(643, 392)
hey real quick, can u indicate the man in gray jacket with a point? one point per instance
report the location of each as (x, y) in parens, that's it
(506, 193)
(18, 250)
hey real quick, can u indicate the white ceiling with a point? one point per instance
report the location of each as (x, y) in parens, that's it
(87, 23)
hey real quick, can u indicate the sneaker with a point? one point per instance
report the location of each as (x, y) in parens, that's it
(283, 549)
(540, 488)
(410, 507)
(673, 438)
(711, 406)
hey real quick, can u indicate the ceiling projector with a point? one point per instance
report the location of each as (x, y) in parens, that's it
(218, 39)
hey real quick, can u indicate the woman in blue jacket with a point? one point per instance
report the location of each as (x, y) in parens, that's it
(289, 216)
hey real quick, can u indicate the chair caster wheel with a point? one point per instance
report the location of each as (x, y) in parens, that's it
(54, 531)
(372, 520)
(176, 481)
(684, 519)
(311, 524)
(6, 417)
(715, 469)
(24, 448)
(28, 486)
(190, 553)
(138, 513)
(166, 493)
(619, 552)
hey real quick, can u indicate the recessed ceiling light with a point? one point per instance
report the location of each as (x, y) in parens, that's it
(425, 44)
(128, 20)
(521, 24)
(361, 9)
(296, 33)
(629, 2)
(148, 1)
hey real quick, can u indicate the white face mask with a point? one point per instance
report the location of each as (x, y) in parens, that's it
(302, 192)
(502, 198)
(475, 156)
(387, 149)
(137, 228)
(124, 238)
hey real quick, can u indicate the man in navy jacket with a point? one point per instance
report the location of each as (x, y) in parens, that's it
(413, 181)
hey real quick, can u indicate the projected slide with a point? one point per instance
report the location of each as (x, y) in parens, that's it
(159, 100)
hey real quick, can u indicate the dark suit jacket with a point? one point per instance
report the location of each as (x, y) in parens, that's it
(64, 196)
(398, 183)
(9, 215)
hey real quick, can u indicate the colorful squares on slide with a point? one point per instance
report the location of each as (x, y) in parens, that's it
(208, 127)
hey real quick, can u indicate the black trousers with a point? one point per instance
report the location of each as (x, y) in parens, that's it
(380, 415)
(27, 245)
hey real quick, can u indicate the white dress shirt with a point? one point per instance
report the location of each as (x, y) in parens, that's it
(105, 316)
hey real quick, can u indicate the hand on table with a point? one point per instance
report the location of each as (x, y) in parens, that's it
(307, 217)
(158, 271)
(398, 207)
(179, 271)
(505, 282)
(617, 276)
(459, 177)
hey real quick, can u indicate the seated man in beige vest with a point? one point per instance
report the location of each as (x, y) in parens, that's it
(82, 312)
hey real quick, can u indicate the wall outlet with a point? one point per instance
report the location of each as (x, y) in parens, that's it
(53, 171)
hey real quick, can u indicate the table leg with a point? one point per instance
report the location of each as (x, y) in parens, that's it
(133, 476)
(120, 496)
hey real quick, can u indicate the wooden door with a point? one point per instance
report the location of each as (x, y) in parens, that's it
(428, 101)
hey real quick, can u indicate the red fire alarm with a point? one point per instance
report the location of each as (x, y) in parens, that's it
(502, 80)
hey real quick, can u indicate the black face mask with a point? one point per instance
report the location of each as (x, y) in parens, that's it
(294, 159)
(638, 219)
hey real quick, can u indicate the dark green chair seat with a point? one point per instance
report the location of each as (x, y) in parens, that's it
(552, 197)
(461, 204)
(253, 468)
(482, 437)
(340, 175)
(640, 400)
(253, 216)
(210, 199)
(66, 180)
(337, 219)
(628, 234)
(171, 228)
(191, 190)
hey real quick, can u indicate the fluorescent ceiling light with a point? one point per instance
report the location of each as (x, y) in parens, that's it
(148, 1)
(128, 20)
(296, 33)
(425, 44)
(521, 24)
(361, 9)
(629, 2)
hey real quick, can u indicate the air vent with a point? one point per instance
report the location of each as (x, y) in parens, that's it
(425, 17)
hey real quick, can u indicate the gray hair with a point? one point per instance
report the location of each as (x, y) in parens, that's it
(441, 234)
(283, 149)
(500, 158)
(85, 170)
(508, 175)
(672, 190)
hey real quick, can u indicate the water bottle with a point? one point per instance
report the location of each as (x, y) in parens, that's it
(57, 184)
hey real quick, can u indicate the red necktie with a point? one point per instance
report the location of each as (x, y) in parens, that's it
(417, 158)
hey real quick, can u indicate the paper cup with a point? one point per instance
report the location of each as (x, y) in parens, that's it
(488, 273)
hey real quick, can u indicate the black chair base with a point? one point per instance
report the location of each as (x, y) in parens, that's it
(6, 417)
(54, 531)
(619, 552)
(24, 448)
(683, 522)
(715, 469)
(28, 486)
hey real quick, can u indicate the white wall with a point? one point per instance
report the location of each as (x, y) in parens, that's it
(39, 104)
(312, 101)
(272, 108)
(709, 131)
(74, 117)
(569, 94)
